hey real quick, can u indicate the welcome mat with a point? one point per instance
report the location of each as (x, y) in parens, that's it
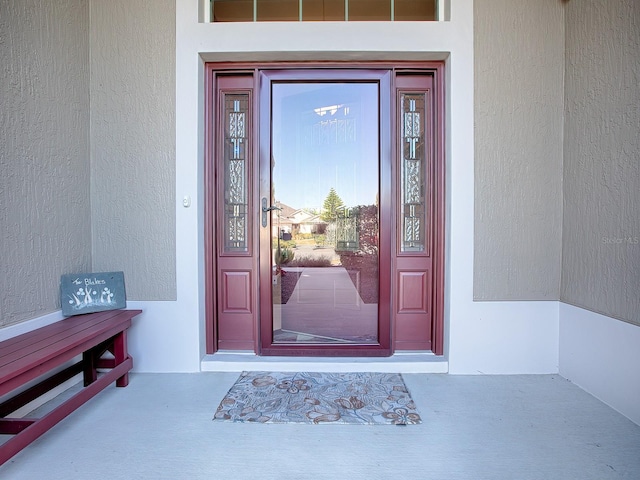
(348, 398)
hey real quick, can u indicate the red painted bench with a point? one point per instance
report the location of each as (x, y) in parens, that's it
(33, 355)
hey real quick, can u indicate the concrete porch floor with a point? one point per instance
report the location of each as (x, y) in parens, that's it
(474, 427)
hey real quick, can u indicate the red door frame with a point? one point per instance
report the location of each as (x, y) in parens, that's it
(389, 283)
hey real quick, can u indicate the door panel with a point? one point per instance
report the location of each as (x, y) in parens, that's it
(415, 218)
(321, 173)
(236, 255)
(412, 288)
(236, 292)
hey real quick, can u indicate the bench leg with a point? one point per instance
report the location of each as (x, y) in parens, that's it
(121, 354)
(90, 374)
(92, 359)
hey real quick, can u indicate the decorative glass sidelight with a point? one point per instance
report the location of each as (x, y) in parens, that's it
(236, 172)
(413, 208)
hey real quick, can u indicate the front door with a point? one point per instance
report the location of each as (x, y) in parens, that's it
(324, 209)
(323, 234)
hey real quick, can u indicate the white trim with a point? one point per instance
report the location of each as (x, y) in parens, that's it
(503, 338)
(600, 354)
(165, 336)
(11, 331)
(205, 11)
(444, 10)
(409, 362)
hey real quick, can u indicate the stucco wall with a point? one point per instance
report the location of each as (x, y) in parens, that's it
(133, 144)
(44, 152)
(601, 243)
(519, 63)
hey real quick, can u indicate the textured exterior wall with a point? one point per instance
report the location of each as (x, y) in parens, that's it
(44, 152)
(601, 233)
(133, 143)
(518, 148)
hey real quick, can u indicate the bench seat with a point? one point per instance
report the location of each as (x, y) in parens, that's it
(101, 340)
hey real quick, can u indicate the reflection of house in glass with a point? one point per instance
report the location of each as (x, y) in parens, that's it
(291, 222)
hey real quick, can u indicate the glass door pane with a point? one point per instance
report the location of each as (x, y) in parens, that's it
(324, 212)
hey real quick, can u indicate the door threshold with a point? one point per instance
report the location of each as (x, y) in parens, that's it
(405, 362)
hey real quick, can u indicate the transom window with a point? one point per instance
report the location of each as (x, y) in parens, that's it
(323, 10)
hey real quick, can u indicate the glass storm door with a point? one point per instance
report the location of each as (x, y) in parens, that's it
(321, 176)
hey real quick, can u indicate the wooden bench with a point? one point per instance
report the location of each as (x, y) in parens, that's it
(32, 356)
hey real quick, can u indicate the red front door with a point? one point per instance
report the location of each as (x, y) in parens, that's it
(323, 211)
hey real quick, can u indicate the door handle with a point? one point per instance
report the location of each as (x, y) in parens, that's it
(265, 210)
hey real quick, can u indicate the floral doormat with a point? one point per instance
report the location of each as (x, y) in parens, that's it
(348, 398)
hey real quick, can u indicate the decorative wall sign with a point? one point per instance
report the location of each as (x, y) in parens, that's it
(92, 292)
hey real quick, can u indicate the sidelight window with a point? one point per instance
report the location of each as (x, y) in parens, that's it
(236, 119)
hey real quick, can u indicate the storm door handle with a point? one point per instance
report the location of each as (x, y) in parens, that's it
(266, 210)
